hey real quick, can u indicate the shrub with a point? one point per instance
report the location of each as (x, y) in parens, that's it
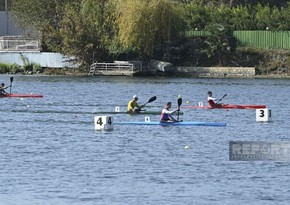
(4, 68)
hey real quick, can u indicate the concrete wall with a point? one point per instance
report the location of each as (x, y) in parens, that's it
(45, 59)
(216, 71)
(7, 25)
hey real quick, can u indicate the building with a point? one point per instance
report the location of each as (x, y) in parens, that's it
(7, 25)
(14, 46)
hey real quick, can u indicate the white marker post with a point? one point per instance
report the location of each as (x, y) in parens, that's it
(147, 119)
(263, 115)
(200, 104)
(117, 109)
(103, 123)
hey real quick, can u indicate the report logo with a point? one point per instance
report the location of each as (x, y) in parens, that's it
(259, 151)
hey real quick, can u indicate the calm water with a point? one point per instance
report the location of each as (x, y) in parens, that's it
(51, 154)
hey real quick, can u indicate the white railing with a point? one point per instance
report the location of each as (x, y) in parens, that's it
(114, 67)
(16, 43)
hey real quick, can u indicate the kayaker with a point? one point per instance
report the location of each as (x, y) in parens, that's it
(133, 106)
(213, 102)
(166, 114)
(2, 89)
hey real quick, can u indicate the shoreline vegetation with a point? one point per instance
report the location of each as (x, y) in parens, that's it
(82, 72)
(185, 33)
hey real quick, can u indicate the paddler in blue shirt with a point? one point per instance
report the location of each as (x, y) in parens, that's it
(2, 89)
(133, 106)
(166, 114)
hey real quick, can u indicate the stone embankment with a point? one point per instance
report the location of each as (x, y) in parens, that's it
(216, 71)
(195, 72)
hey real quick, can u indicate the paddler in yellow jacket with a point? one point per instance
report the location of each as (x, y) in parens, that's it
(133, 106)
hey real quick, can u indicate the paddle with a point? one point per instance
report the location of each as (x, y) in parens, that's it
(179, 102)
(11, 80)
(221, 98)
(149, 101)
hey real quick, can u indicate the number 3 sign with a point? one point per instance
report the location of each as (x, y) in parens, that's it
(263, 115)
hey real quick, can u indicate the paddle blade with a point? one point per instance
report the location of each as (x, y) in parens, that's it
(11, 80)
(152, 99)
(179, 101)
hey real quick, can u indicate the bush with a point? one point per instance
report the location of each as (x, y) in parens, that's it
(37, 68)
(4, 68)
(15, 68)
(10, 68)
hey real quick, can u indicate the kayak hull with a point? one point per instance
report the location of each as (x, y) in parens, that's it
(189, 123)
(229, 106)
(86, 112)
(137, 113)
(21, 96)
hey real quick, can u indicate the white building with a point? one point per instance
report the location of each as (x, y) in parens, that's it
(13, 46)
(7, 25)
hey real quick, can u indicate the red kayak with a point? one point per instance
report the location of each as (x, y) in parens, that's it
(21, 96)
(229, 106)
(213, 105)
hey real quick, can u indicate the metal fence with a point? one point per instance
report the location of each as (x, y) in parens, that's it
(18, 43)
(111, 69)
(258, 39)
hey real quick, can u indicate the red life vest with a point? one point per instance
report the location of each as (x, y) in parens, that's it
(212, 104)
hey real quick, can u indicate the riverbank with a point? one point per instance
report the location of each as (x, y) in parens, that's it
(211, 72)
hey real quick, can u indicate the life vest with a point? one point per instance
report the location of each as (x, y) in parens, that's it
(212, 103)
(164, 116)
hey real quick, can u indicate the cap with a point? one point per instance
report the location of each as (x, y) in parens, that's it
(135, 97)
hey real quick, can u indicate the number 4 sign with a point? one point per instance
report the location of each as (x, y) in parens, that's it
(103, 123)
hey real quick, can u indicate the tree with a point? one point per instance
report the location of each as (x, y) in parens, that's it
(147, 25)
(220, 41)
(42, 17)
(88, 30)
(262, 16)
(196, 16)
(221, 15)
(243, 18)
(234, 3)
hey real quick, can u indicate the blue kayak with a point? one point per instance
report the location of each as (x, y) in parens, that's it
(217, 124)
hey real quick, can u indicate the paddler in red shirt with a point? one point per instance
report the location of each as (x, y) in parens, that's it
(213, 102)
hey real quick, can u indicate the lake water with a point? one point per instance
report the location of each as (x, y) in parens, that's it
(50, 152)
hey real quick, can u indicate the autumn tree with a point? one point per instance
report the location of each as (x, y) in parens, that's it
(146, 25)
